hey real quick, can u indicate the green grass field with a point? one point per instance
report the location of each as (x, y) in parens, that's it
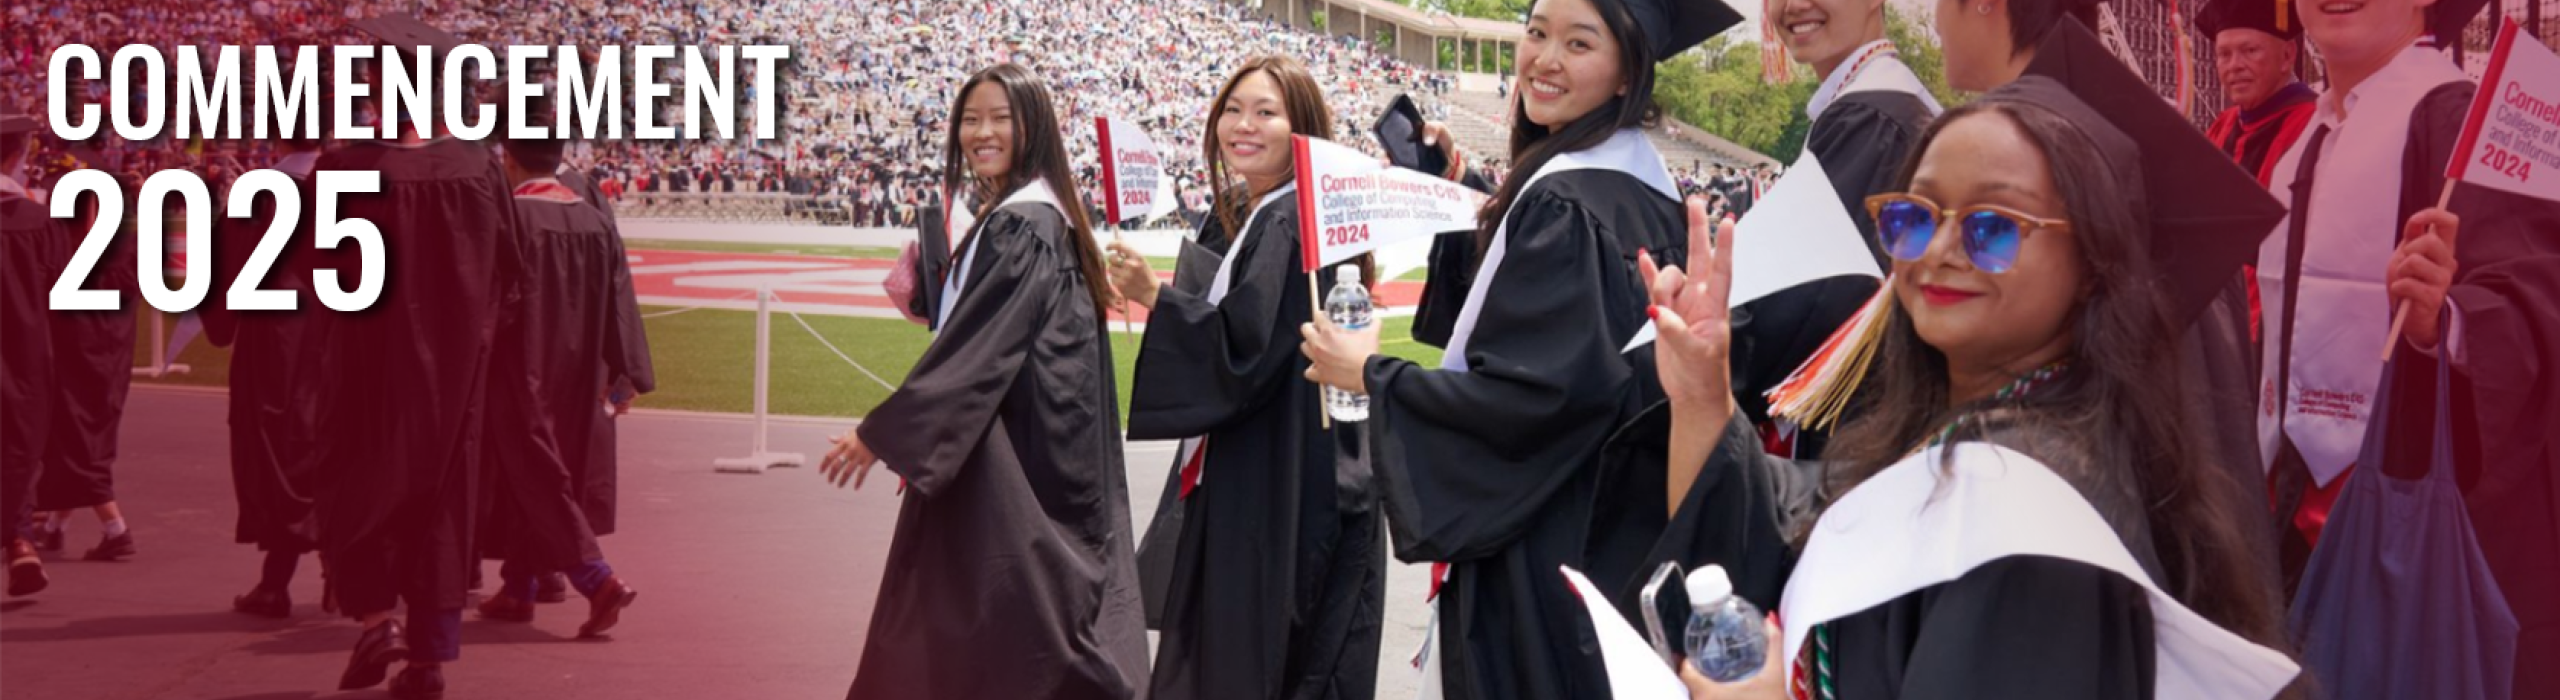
(642, 246)
(706, 361)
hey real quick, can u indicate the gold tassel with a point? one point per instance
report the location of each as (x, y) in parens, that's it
(1816, 394)
(2283, 18)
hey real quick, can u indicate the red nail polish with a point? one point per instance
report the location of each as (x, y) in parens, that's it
(1641, 252)
(1653, 312)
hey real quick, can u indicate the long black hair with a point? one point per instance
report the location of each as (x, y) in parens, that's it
(2111, 398)
(1533, 145)
(1039, 153)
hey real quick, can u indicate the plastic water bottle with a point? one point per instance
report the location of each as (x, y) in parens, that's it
(1727, 639)
(1347, 306)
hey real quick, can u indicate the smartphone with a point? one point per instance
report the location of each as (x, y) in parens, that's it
(1666, 599)
(1399, 130)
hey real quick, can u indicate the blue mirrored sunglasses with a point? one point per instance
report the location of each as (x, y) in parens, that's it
(1907, 223)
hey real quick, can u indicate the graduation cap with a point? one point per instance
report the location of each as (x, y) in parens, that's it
(2446, 18)
(2207, 215)
(2275, 17)
(1672, 26)
(403, 31)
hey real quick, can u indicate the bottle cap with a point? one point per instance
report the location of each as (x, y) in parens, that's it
(1347, 273)
(1708, 586)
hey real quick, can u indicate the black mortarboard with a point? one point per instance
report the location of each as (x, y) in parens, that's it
(1672, 26)
(2276, 17)
(2446, 18)
(2207, 215)
(403, 31)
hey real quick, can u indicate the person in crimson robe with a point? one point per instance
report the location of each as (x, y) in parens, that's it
(2256, 44)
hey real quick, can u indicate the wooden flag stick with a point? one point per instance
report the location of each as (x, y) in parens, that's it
(2400, 317)
(1324, 412)
(1128, 324)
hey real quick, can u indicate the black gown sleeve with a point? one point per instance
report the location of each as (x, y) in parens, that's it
(1468, 458)
(1452, 267)
(1203, 366)
(1740, 513)
(1862, 140)
(926, 429)
(2019, 628)
(627, 362)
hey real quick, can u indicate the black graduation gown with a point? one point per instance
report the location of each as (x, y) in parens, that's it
(404, 383)
(1861, 138)
(93, 372)
(32, 253)
(561, 340)
(1497, 470)
(2021, 627)
(272, 404)
(1013, 546)
(1277, 581)
(598, 482)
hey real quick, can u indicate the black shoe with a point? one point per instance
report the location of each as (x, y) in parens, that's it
(475, 577)
(419, 683)
(380, 646)
(264, 603)
(49, 539)
(112, 548)
(554, 588)
(605, 609)
(26, 570)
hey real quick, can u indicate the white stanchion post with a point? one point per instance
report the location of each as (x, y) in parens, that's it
(759, 458)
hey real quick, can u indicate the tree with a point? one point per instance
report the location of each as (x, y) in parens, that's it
(1317, 18)
(1505, 10)
(1717, 87)
(1919, 45)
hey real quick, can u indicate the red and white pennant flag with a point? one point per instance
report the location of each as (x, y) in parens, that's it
(1350, 203)
(1134, 185)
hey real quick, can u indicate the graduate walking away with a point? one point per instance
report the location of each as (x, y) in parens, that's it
(1013, 571)
(404, 390)
(1280, 569)
(93, 373)
(568, 340)
(1492, 463)
(34, 246)
(273, 407)
(2021, 511)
